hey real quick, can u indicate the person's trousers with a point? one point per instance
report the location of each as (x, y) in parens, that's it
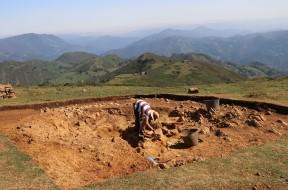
(137, 118)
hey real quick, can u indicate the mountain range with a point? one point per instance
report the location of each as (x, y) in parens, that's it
(33, 46)
(147, 70)
(48, 47)
(99, 45)
(270, 48)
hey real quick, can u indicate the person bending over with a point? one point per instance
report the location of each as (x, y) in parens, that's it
(144, 116)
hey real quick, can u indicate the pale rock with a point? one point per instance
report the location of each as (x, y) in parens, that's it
(282, 122)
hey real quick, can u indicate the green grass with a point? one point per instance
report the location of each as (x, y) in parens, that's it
(235, 172)
(35, 94)
(164, 72)
(18, 171)
(270, 90)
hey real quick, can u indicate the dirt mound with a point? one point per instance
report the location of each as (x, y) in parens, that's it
(83, 144)
(6, 91)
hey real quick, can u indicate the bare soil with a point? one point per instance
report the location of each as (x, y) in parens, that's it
(2, 147)
(90, 143)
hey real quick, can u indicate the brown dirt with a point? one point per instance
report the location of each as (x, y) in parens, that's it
(83, 144)
(2, 147)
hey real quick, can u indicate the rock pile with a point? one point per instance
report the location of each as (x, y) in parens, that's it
(255, 120)
(6, 91)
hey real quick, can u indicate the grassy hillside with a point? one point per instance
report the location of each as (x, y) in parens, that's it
(254, 70)
(89, 69)
(153, 70)
(72, 68)
(261, 89)
(146, 70)
(270, 90)
(27, 73)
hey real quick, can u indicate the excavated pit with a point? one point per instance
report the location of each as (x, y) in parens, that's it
(89, 143)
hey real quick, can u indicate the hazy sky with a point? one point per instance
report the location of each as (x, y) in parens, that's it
(113, 16)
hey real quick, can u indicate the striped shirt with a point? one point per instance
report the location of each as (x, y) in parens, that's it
(146, 110)
(136, 106)
(143, 108)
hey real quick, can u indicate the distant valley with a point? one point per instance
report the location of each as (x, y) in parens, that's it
(147, 70)
(172, 57)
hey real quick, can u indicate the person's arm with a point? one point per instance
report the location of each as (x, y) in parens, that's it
(147, 124)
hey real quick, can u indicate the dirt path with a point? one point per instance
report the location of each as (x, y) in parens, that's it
(84, 144)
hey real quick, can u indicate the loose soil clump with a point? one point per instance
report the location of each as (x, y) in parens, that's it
(84, 144)
(6, 91)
